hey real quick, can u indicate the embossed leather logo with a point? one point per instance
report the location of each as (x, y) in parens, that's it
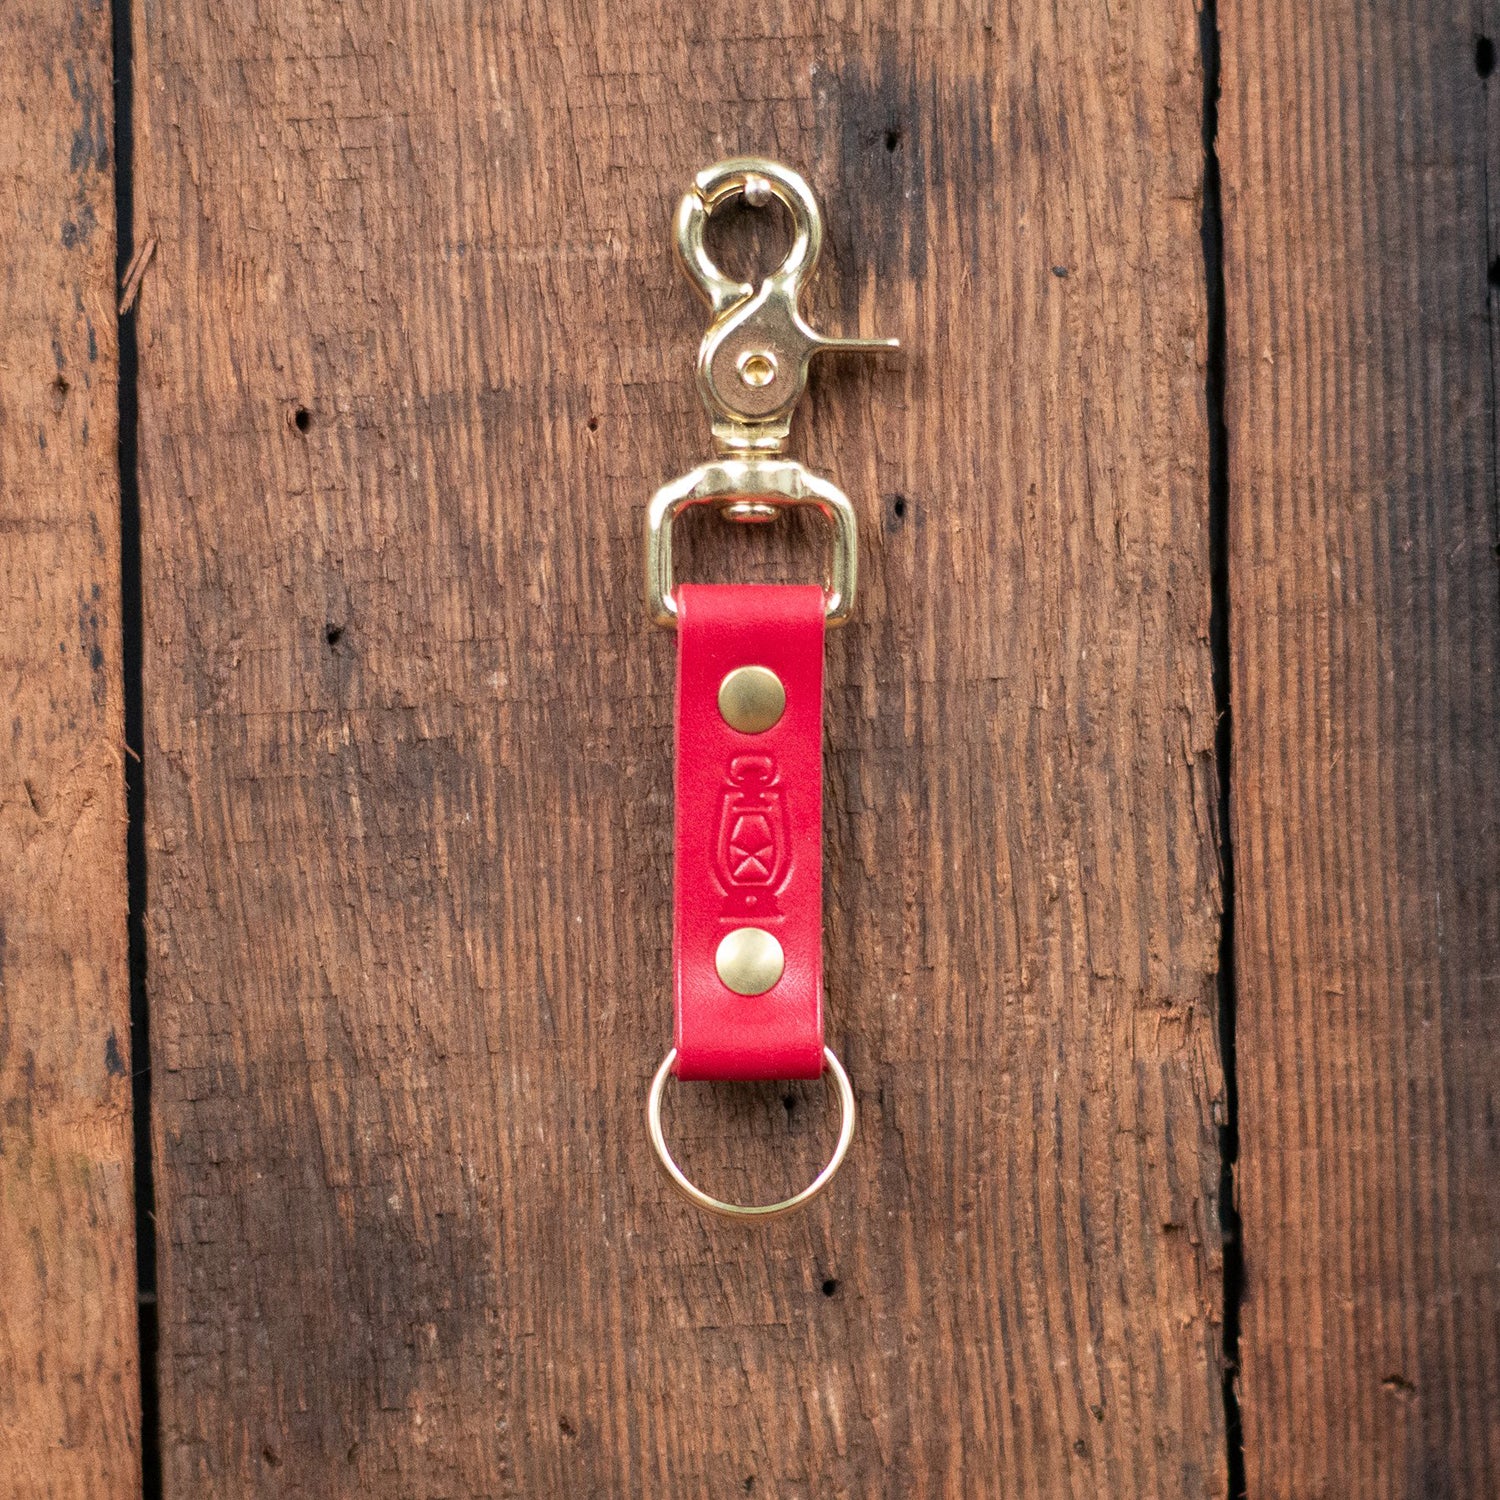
(752, 858)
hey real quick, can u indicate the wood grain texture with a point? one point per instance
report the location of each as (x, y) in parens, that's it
(414, 355)
(69, 1390)
(1358, 147)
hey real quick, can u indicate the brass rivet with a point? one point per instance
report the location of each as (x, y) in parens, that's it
(757, 368)
(751, 699)
(749, 960)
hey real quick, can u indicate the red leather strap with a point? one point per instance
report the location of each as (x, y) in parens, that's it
(749, 832)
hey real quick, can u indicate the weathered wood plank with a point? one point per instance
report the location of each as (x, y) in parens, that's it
(409, 758)
(1357, 147)
(69, 1389)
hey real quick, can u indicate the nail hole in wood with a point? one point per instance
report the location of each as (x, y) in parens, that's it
(830, 1287)
(333, 634)
(893, 138)
(1484, 56)
(302, 419)
(593, 424)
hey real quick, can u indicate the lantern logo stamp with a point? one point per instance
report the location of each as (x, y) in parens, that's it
(752, 852)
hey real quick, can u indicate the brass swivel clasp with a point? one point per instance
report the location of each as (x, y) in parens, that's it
(752, 367)
(752, 363)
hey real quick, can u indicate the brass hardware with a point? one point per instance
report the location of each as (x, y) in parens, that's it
(757, 191)
(752, 368)
(751, 699)
(775, 483)
(757, 367)
(752, 363)
(748, 510)
(749, 960)
(764, 1211)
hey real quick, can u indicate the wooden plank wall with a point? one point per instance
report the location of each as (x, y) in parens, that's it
(414, 354)
(69, 1387)
(1358, 145)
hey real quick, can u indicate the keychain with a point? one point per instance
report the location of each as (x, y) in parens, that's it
(747, 942)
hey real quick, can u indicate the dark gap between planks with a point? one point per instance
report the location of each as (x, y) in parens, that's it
(135, 780)
(1218, 629)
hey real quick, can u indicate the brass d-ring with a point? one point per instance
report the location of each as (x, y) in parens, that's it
(712, 1205)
